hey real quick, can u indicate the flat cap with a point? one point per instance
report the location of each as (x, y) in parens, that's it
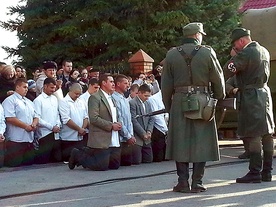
(49, 64)
(238, 33)
(193, 28)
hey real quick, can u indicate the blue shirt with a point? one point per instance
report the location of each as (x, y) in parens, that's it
(125, 116)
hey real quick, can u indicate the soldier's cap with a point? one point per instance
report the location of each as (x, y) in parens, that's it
(193, 28)
(239, 33)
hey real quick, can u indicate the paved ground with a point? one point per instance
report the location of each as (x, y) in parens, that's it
(143, 185)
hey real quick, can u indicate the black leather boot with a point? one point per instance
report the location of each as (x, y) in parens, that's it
(254, 175)
(250, 178)
(267, 166)
(198, 172)
(183, 177)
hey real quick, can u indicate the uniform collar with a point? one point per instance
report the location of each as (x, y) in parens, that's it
(190, 40)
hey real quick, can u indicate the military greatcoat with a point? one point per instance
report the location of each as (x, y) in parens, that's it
(191, 140)
(252, 68)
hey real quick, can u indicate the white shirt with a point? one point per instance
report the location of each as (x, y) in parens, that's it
(2, 120)
(157, 104)
(143, 105)
(71, 110)
(46, 108)
(85, 97)
(115, 142)
(22, 108)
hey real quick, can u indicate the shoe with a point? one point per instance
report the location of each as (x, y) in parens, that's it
(266, 176)
(182, 188)
(198, 188)
(250, 178)
(73, 159)
(244, 155)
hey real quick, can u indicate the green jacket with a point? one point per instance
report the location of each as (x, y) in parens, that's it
(191, 140)
(252, 69)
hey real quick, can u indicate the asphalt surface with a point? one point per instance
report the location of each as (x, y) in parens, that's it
(141, 185)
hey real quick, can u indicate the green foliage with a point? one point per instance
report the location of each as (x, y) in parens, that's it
(104, 32)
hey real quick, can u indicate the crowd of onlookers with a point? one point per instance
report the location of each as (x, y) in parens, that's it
(48, 117)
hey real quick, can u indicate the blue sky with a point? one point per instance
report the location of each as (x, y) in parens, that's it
(7, 38)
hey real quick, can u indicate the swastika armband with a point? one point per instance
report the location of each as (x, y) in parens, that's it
(231, 67)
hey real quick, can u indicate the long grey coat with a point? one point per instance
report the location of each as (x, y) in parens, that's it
(252, 69)
(191, 140)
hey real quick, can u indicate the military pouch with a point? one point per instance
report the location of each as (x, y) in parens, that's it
(193, 105)
(210, 109)
(190, 103)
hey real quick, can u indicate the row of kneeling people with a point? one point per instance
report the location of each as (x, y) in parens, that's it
(99, 129)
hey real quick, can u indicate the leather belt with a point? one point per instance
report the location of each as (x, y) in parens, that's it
(191, 89)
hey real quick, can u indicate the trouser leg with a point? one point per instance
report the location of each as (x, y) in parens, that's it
(255, 149)
(45, 147)
(56, 154)
(246, 153)
(147, 156)
(19, 153)
(182, 169)
(115, 158)
(246, 145)
(158, 143)
(29, 154)
(126, 154)
(268, 151)
(255, 162)
(2, 153)
(94, 159)
(136, 154)
(67, 146)
(198, 173)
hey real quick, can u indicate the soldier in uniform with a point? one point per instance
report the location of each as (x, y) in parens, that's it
(191, 140)
(251, 63)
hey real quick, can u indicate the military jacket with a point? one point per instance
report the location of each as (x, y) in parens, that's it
(252, 69)
(190, 140)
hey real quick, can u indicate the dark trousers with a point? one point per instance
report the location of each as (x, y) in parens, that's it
(85, 139)
(19, 153)
(182, 169)
(99, 159)
(126, 154)
(158, 144)
(141, 154)
(2, 153)
(56, 155)
(46, 145)
(67, 146)
(256, 145)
